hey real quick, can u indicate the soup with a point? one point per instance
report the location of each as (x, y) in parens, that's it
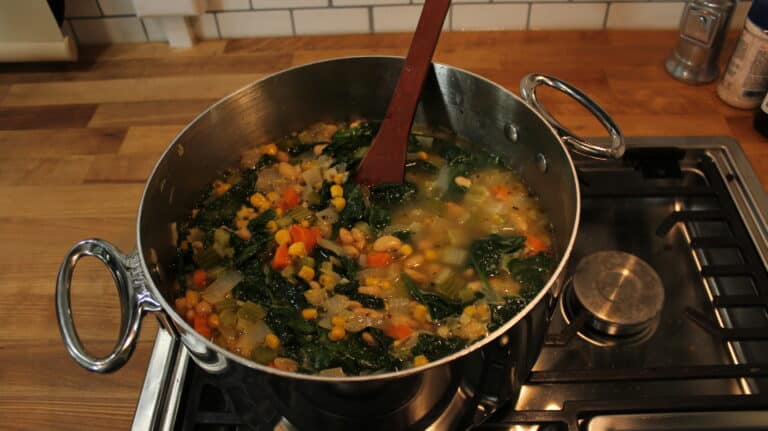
(288, 262)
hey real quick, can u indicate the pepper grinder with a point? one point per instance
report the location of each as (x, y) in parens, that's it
(702, 32)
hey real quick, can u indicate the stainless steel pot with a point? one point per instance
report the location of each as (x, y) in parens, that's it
(484, 113)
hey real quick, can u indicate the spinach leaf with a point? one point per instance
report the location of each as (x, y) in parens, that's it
(260, 222)
(217, 211)
(420, 166)
(502, 312)
(378, 217)
(403, 235)
(368, 301)
(345, 143)
(435, 347)
(354, 211)
(347, 268)
(265, 161)
(439, 307)
(485, 253)
(533, 271)
(390, 194)
(257, 245)
(351, 354)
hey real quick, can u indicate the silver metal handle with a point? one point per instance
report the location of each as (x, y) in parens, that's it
(135, 300)
(581, 145)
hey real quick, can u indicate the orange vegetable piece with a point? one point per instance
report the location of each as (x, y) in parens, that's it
(306, 235)
(502, 193)
(200, 277)
(201, 326)
(281, 259)
(398, 331)
(290, 198)
(378, 259)
(535, 244)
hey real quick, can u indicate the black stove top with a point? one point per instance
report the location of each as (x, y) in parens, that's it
(692, 210)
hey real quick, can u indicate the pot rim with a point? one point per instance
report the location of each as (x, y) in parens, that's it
(168, 309)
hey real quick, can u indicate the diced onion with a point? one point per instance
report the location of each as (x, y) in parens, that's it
(223, 285)
(332, 372)
(453, 256)
(312, 176)
(330, 245)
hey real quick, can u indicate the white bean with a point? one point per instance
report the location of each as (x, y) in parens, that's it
(387, 243)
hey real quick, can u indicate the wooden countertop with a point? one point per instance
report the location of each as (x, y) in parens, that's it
(78, 141)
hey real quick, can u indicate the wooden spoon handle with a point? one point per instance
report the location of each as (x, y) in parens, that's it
(386, 162)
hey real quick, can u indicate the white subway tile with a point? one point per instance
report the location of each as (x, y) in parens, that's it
(468, 1)
(204, 26)
(117, 7)
(81, 8)
(398, 18)
(155, 30)
(567, 16)
(280, 4)
(644, 15)
(740, 14)
(331, 21)
(229, 4)
(109, 30)
(366, 2)
(254, 24)
(490, 17)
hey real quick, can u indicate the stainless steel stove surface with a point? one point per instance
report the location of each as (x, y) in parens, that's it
(683, 222)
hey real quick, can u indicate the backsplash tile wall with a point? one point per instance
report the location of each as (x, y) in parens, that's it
(115, 21)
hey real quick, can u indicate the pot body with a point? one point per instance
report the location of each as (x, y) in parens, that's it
(485, 114)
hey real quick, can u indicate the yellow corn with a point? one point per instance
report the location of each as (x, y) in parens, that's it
(420, 360)
(305, 223)
(270, 149)
(272, 341)
(272, 226)
(430, 255)
(339, 203)
(422, 155)
(309, 313)
(338, 179)
(406, 250)
(241, 223)
(372, 281)
(307, 273)
(470, 310)
(297, 249)
(386, 284)
(259, 201)
(283, 236)
(337, 191)
(279, 212)
(337, 333)
(273, 197)
(338, 321)
(420, 313)
(327, 281)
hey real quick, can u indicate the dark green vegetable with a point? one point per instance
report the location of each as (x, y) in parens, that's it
(403, 235)
(434, 347)
(216, 211)
(208, 258)
(352, 354)
(439, 307)
(378, 217)
(485, 253)
(355, 210)
(392, 194)
(293, 145)
(319, 199)
(345, 143)
(350, 290)
(260, 222)
(257, 246)
(420, 166)
(265, 161)
(533, 271)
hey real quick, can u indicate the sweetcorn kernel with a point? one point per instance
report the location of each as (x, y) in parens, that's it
(422, 155)
(272, 226)
(259, 201)
(272, 341)
(338, 321)
(420, 360)
(270, 149)
(337, 191)
(470, 310)
(420, 313)
(430, 255)
(337, 333)
(241, 223)
(283, 236)
(273, 197)
(406, 250)
(372, 281)
(327, 281)
(279, 212)
(297, 249)
(309, 313)
(307, 273)
(339, 203)
(339, 178)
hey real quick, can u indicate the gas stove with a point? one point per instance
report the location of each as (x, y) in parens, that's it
(662, 322)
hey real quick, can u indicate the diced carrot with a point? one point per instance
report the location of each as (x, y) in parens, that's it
(378, 259)
(201, 326)
(502, 192)
(290, 198)
(398, 331)
(535, 244)
(281, 259)
(306, 235)
(200, 278)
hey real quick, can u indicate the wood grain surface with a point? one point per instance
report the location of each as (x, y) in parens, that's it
(77, 141)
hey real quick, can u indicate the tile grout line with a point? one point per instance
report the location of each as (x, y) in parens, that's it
(144, 27)
(528, 18)
(216, 22)
(605, 18)
(293, 23)
(98, 6)
(370, 20)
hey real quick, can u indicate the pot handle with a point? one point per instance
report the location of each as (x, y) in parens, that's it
(581, 145)
(135, 300)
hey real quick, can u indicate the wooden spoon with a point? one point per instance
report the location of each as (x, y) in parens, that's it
(385, 160)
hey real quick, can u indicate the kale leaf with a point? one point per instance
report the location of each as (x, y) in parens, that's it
(345, 143)
(435, 347)
(354, 210)
(502, 312)
(217, 211)
(378, 217)
(403, 235)
(485, 253)
(533, 271)
(293, 145)
(352, 354)
(391, 194)
(260, 222)
(439, 307)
